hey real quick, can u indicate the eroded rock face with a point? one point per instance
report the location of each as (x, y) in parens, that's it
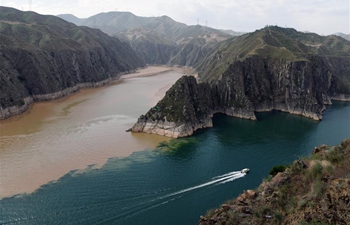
(44, 57)
(269, 84)
(187, 106)
(254, 85)
(270, 69)
(274, 77)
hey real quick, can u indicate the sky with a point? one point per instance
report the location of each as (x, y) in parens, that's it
(320, 16)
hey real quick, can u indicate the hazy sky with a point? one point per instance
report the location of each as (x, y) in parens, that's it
(320, 16)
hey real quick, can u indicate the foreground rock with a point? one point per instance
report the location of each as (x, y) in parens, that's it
(270, 69)
(313, 190)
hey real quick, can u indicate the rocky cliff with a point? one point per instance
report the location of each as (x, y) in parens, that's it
(187, 107)
(45, 57)
(270, 69)
(312, 190)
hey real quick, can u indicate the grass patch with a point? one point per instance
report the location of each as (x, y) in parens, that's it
(277, 169)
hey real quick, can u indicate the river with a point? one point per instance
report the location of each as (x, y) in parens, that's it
(85, 128)
(99, 174)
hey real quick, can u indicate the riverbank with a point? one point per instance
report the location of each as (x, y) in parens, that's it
(144, 72)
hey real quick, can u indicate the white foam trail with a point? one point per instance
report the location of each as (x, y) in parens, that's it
(227, 174)
(223, 178)
(233, 178)
(215, 180)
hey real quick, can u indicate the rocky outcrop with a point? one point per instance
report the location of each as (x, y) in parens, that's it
(313, 190)
(262, 76)
(180, 112)
(44, 57)
(187, 107)
(16, 109)
(254, 85)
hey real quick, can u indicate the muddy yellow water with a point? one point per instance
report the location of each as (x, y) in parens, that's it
(88, 127)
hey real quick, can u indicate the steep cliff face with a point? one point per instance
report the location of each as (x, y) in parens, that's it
(187, 107)
(180, 112)
(44, 57)
(271, 69)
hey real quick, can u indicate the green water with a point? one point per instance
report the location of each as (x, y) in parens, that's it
(181, 179)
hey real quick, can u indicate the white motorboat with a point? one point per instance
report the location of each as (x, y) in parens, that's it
(245, 170)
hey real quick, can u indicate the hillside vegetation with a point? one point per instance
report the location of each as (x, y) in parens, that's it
(283, 44)
(312, 190)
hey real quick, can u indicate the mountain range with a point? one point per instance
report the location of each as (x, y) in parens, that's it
(345, 36)
(157, 40)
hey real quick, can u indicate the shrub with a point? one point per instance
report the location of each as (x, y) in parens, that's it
(210, 213)
(278, 217)
(319, 187)
(302, 203)
(21, 102)
(233, 217)
(277, 169)
(335, 156)
(317, 169)
(268, 178)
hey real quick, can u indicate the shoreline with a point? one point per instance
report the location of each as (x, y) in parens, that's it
(146, 72)
(85, 112)
(8, 112)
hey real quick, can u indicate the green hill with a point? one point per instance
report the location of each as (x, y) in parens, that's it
(285, 44)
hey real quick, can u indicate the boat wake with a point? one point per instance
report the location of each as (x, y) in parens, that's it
(215, 180)
(132, 204)
(161, 200)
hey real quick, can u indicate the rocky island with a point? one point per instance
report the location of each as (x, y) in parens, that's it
(270, 69)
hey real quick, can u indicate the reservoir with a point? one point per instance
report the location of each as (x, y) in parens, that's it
(77, 164)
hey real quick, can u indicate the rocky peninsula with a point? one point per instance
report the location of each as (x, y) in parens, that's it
(270, 69)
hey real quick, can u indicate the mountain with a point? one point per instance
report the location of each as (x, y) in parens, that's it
(270, 69)
(71, 18)
(180, 45)
(45, 57)
(345, 36)
(233, 33)
(115, 22)
(158, 40)
(312, 190)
